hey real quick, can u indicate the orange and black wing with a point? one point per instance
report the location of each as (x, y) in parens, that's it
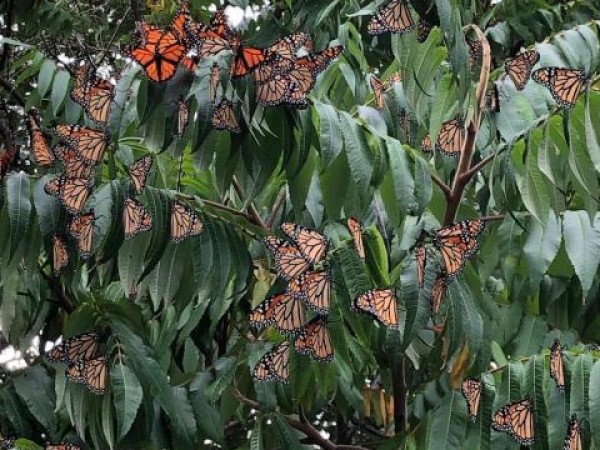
(283, 311)
(183, 116)
(573, 439)
(314, 289)
(519, 68)
(160, 55)
(451, 138)
(395, 17)
(381, 304)
(377, 87)
(81, 227)
(184, 222)
(437, 293)
(215, 79)
(355, 228)
(74, 164)
(557, 371)
(60, 254)
(82, 346)
(39, 145)
(516, 419)
(223, 117)
(246, 60)
(135, 218)
(421, 259)
(315, 341)
(138, 172)
(312, 244)
(289, 260)
(72, 192)
(274, 365)
(565, 85)
(7, 159)
(471, 390)
(89, 143)
(457, 243)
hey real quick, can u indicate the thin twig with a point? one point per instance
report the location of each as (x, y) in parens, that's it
(58, 289)
(251, 208)
(114, 36)
(443, 186)
(302, 425)
(481, 164)
(279, 201)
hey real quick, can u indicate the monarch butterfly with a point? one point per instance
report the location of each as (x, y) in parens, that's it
(138, 172)
(451, 138)
(573, 439)
(423, 30)
(380, 303)
(74, 164)
(274, 365)
(190, 62)
(565, 84)
(377, 87)
(314, 289)
(247, 59)
(471, 390)
(64, 446)
(7, 159)
(39, 146)
(223, 117)
(312, 244)
(283, 311)
(516, 419)
(178, 23)
(92, 373)
(457, 243)
(437, 293)
(355, 229)
(314, 340)
(159, 53)
(135, 218)
(519, 68)
(81, 227)
(421, 259)
(475, 52)
(183, 116)
(215, 38)
(492, 99)
(289, 81)
(404, 119)
(394, 17)
(95, 95)
(557, 370)
(72, 192)
(184, 222)
(82, 346)
(88, 142)
(215, 79)
(289, 260)
(426, 145)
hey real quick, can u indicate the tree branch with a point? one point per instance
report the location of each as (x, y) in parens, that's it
(443, 186)
(253, 212)
(279, 201)
(64, 301)
(302, 425)
(466, 155)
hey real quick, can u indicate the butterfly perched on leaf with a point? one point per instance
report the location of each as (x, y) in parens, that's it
(289, 260)
(557, 370)
(183, 116)
(92, 373)
(314, 340)
(516, 419)
(135, 218)
(573, 438)
(214, 38)
(138, 172)
(471, 390)
(565, 85)
(457, 243)
(223, 117)
(314, 289)
(519, 68)
(42, 154)
(355, 228)
(60, 254)
(215, 80)
(81, 227)
(450, 139)
(82, 346)
(94, 94)
(423, 30)
(63, 446)
(395, 17)
(72, 192)
(475, 53)
(75, 166)
(379, 87)
(184, 222)
(311, 243)
(379, 303)
(283, 311)
(421, 260)
(437, 292)
(274, 365)
(7, 159)
(88, 142)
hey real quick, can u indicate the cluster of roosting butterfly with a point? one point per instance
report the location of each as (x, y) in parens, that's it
(308, 286)
(80, 149)
(280, 74)
(565, 84)
(517, 418)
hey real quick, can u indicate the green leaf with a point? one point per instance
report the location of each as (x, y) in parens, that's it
(45, 77)
(530, 336)
(541, 246)
(592, 129)
(256, 439)
(448, 423)
(127, 396)
(594, 401)
(582, 242)
(19, 208)
(442, 105)
(36, 389)
(59, 90)
(330, 133)
(401, 176)
(360, 158)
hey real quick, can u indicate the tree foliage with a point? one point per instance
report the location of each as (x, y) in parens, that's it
(175, 315)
